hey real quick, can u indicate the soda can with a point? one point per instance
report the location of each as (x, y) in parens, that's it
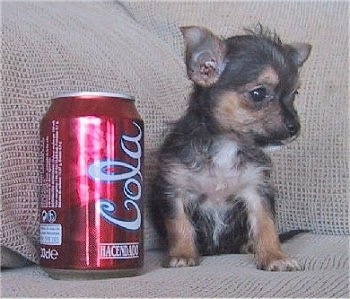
(91, 187)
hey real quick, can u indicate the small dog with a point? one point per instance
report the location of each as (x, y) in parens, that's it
(212, 192)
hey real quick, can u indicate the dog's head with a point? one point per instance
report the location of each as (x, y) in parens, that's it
(252, 80)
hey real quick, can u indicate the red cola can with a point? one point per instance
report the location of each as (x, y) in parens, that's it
(91, 187)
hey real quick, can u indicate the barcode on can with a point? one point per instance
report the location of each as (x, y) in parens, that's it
(50, 234)
(119, 250)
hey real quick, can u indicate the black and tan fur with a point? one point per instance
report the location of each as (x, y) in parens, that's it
(212, 193)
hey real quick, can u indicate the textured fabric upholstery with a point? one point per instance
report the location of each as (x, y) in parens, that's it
(227, 276)
(136, 47)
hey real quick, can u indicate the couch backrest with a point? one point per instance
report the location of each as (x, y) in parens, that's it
(136, 47)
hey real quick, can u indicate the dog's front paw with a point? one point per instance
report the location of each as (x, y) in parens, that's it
(283, 264)
(176, 262)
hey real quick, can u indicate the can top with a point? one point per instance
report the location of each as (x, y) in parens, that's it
(95, 94)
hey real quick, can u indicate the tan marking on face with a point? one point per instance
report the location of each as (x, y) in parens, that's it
(233, 112)
(269, 78)
(236, 112)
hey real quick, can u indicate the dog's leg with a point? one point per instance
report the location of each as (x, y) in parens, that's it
(267, 249)
(269, 255)
(181, 241)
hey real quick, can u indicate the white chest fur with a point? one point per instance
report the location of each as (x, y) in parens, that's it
(226, 175)
(217, 183)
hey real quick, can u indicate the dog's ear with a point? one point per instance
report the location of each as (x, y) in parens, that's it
(205, 55)
(299, 52)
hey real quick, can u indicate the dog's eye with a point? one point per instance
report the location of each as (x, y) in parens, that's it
(259, 94)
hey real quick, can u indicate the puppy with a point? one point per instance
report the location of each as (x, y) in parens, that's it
(212, 192)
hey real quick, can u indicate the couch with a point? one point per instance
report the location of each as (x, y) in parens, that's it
(136, 47)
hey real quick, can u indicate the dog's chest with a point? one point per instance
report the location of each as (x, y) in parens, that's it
(221, 175)
(224, 176)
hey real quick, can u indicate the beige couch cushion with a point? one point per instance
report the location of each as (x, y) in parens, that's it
(137, 48)
(326, 259)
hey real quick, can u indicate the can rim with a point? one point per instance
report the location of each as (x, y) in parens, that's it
(95, 93)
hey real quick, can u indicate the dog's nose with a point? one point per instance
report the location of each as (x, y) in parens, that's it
(292, 128)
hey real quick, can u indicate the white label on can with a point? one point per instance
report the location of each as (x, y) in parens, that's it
(50, 234)
(119, 251)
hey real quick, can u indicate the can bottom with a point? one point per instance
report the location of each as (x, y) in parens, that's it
(72, 274)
